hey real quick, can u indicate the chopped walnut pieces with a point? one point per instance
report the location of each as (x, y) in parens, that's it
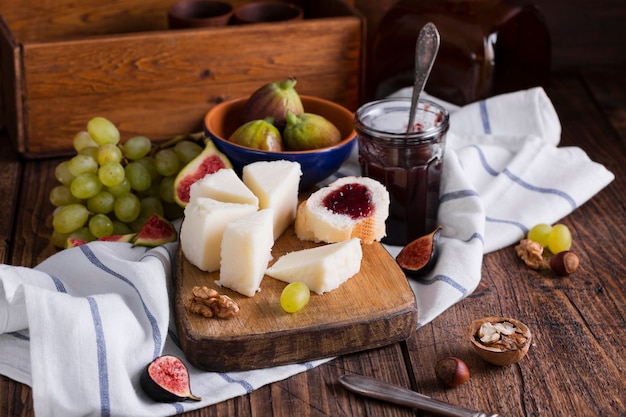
(209, 303)
(532, 254)
(501, 335)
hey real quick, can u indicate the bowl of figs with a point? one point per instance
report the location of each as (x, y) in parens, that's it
(277, 123)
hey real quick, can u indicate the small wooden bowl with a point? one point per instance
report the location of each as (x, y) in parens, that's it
(494, 354)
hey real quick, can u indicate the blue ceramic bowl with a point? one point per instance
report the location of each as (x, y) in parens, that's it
(317, 165)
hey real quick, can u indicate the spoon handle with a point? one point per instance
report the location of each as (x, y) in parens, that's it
(380, 390)
(425, 52)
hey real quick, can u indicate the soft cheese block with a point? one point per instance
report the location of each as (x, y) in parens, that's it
(223, 185)
(350, 207)
(322, 268)
(202, 229)
(276, 185)
(246, 250)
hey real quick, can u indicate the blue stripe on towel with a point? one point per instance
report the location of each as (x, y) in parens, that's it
(58, 284)
(484, 116)
(520, 226)
(20, 336)
(448, 280)
(483, 161)
(541, 190)
(457, 194)
(155, 328)
(245, 384)
(103, 376)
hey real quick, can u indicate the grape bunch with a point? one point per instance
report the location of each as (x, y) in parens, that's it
(112, 188)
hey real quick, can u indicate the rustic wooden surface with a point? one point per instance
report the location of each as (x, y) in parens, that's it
(576, 366)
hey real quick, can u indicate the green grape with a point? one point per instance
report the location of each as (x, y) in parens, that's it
(70, 218)
(137, 147)
(166, 189)
(121, 188)
(186, 150)
(83, 164)
(83, 234)
(138, 176)
(83, 140)
(85, 186)
(90, 151)
(152, 191)
(63, 174)
(120, 228)
(150, 206)
(109, 153)
(294, 297)
(539, 233)
(101, 203)
(127, 207)
(166, 162)
(560, 239)
(149, 164)
(101, 225)
(111, 174)
(58, 239)
(61, 195)
(103, 131)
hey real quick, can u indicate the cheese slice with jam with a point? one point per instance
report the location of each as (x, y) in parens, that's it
(323, 268)
(246, 250)
(223, 185)
(202, 229)
(276, 185)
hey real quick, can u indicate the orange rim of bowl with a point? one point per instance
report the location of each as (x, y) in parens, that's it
(320, 101)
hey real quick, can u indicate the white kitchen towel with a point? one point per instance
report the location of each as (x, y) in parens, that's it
(80, 327)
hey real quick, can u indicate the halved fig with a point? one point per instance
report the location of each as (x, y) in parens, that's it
(166, 380)
(127, 237)
(419, 256)
(155, 231)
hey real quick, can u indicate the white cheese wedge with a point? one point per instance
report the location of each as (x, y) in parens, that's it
(276, 184)
(322, 268)
(246, 250)
(202, 229)
(223, 185)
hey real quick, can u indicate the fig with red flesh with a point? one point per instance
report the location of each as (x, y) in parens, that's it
(209, 161)
(166, 380)
(155, 231)
(129, 237)
(274, 100)
(419, 256)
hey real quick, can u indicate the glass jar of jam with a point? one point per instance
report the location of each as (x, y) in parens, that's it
(488, 47)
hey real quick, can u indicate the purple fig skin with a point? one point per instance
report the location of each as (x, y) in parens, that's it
(419, 256)
(274, 100)
(166, 380)
(309, 131)
(258, 134)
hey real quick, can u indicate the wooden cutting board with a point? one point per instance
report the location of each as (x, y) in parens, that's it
(374, 308)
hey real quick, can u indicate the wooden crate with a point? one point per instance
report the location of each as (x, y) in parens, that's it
(64, 62)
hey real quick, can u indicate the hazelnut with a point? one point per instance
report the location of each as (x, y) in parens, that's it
(564, 263)
(452, 371)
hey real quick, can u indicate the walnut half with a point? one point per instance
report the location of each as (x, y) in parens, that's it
(209, 303)
(531, 253)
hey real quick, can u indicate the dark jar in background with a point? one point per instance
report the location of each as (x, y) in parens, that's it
(488, 47)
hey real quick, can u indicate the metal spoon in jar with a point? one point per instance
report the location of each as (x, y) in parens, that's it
(425, 52)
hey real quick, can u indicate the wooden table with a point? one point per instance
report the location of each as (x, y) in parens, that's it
(577, 363)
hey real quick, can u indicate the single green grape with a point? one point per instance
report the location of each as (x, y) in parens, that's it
(560, 239)
(61, 195)
(63, 174)
(149, 164)
(166, 162)
(111, 174)
(85, 186)
(539, 233)
(294, 297)
(109, 153)
(58, 239)
(90, 151)
(149, 206)
(101, 225)
(138, 176)
(70, 218)
(166, 189)
(83, 140)
(186, 150)
(120, 228)
(103, 131)
(83, 164)
(101, 203)
(83, 234)
(127, 207)
(137, 147)
(121, 188)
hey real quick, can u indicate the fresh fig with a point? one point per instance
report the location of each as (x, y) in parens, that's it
(419, 256)
(129, 237)
(72, 242)
(274, 100)
(155, 231)
(309, 131)
(166, 380)
(258, 134)
(209, 161)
